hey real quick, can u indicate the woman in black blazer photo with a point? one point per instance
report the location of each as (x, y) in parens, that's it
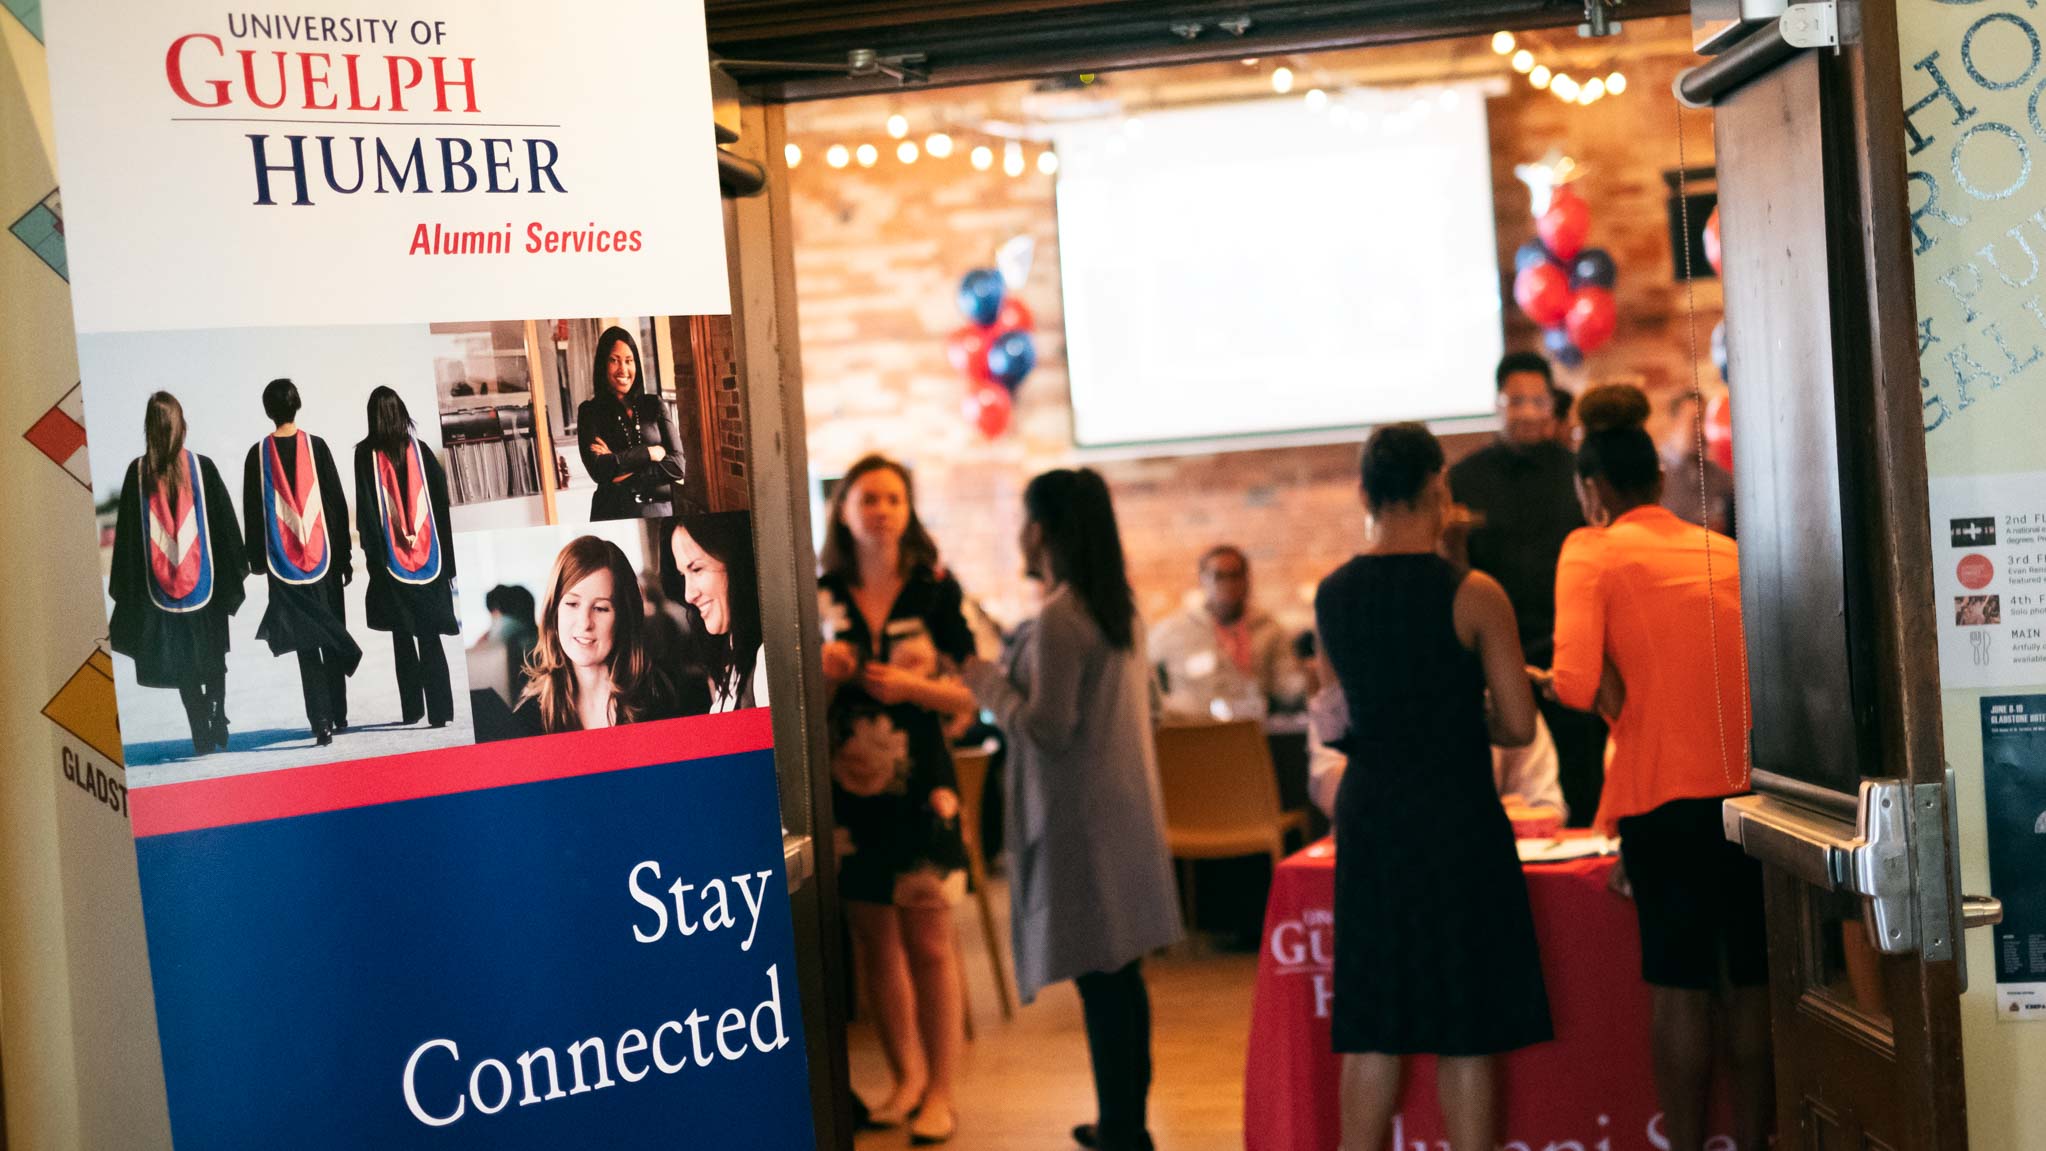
(623, 434)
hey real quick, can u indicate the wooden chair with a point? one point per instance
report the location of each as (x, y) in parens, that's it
(971, 768)
(1221, 796)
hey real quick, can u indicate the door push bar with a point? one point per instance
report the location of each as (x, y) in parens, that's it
(1898, 855)
(1822, 24)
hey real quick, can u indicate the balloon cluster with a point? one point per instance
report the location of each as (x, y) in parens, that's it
(1563, 286)
(994, 349)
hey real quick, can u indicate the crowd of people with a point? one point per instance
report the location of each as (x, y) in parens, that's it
(1549, 619)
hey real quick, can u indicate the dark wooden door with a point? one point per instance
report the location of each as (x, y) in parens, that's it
(1836, 574)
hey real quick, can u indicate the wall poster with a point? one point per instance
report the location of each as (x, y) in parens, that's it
(2014, 779)
(406, 364)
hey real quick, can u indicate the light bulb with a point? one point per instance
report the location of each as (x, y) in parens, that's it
(867, 155)
(1316, 99)
(1593, 89)
(1012, 158)
(1282, 80)
(938, 144)
(1523, 61)
(906, 151)
(837, 156)
(1048, 163)
(1540, 76)
(983, 158)
(898, 126)
(1502, 42)
(1616, 83)
(1563, 86)
(791, 155)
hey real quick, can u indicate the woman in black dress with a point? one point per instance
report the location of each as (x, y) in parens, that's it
(624, 437)
(295, 530)
(177, 572)
(401, 509)
(894, 637)
(1435, 943)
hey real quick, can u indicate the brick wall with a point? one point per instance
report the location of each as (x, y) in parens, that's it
(879, 252)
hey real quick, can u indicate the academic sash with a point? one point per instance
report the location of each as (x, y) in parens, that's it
(180, 549)
(411, 536)
(294, 520)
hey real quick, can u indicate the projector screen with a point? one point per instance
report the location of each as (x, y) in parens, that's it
(1278, 268)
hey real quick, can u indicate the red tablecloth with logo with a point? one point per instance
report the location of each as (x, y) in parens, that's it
(1592, 1087)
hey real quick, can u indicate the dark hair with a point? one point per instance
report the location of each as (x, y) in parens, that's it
(1616, 446)
(1073, 510)
(510, 600)
(599, 377)
(1220, 550)
(1397, 463)
(163, 439)
(390, 425)
(1563, 401)
(280, 401)
(1514, 363)
(726, 537)
(840, 556)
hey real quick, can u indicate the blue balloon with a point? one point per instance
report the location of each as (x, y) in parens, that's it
(980, 296)
(1010, 358)
(1557, 341)
(1593, 268)
(1531, 254)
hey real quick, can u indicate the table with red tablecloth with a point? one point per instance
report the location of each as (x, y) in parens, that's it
(1594, 1082)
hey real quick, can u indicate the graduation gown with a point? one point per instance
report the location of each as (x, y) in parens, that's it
(173, 639)
(410, 590)
(307, 611)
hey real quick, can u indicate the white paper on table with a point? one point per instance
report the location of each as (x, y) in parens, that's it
(1559, 850)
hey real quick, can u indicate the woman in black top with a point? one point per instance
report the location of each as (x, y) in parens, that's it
(295, 531)
(707, 567)
(624, 437)
(589, 668)
(894, 636)
(177, 572)
(401, 509)
(1435, 943)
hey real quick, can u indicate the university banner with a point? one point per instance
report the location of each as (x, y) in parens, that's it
(430, 603)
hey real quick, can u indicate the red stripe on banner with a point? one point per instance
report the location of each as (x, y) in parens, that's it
(174, 807)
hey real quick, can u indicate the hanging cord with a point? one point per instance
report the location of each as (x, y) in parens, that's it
(1704, 493)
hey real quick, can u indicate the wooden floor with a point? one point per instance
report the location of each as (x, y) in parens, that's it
(1026, 1082)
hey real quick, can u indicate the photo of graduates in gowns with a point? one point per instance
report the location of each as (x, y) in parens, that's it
(307, 614)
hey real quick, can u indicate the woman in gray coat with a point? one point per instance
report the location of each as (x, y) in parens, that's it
(1093, 888)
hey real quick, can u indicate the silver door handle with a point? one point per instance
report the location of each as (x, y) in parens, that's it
(1897, 837)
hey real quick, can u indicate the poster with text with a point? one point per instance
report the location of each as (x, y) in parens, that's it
(2014, 777)
(427, 560)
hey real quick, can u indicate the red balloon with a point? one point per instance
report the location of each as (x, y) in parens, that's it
(1543, 292)
(1719, 431)
(1565, 225)
(967, 346)
(1591, 319)
(1014, 317)
(988, 409)
(1712, 240)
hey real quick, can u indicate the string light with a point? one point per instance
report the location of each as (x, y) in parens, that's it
(898, 126)
(938, 144)
(983, 158)
(837, 156)
(1563, 86)
(792, 155)
(906, 152)
(1593, 89)
(1523, 61)
(1012, 158)
(866, 155)
(1316, 99)
(1539, 77)
(1048, 163)
(1282, 80)
(1616, 84)
(1502, 42)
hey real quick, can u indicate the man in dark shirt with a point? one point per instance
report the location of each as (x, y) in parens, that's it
(1520, 499)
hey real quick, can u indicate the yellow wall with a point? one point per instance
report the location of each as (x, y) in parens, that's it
(1999, 431)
